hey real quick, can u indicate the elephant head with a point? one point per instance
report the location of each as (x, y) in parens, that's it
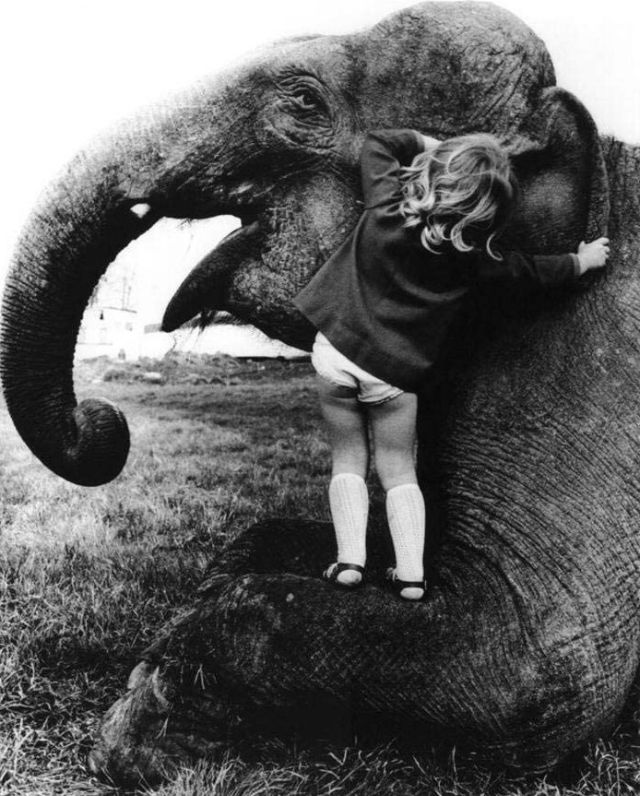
(529, 642)
(274, 142)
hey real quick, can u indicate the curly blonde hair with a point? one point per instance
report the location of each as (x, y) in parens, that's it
(461, 190)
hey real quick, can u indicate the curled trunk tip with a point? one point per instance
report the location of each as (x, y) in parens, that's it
(101, 447)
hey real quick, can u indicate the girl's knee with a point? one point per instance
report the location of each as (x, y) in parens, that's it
(352, 460)
(395, 471)
(394, 434)
(395, 466)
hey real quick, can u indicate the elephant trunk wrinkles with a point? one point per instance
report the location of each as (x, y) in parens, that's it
(70, 240)
(83, 221)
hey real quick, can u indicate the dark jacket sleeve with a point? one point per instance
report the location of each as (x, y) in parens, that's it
(529, 270)
(383, 153)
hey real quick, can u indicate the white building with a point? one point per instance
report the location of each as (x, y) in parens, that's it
(114, 332)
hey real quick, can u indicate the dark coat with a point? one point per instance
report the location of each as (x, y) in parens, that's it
(382, 299)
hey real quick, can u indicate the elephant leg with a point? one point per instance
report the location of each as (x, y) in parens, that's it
(188, 699)
(297, 548)
(267, 649)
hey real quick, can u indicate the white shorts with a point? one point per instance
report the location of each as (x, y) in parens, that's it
(333, 366)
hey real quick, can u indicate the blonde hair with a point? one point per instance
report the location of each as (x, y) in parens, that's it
(462, 190)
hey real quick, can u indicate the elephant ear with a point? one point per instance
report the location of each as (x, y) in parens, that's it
(560, 167)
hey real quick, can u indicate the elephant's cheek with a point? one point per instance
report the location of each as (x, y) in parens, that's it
(262, 295)
(262, 286)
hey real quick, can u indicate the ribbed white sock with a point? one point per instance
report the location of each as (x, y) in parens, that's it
(406, 517)
(349, 504)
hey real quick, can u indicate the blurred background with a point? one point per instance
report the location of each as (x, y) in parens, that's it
(70, 68)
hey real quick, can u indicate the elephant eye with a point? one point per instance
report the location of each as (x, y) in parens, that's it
(302, 113)
(306, 99)
(303, 97)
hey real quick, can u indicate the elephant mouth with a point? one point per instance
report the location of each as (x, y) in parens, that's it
(205, 290)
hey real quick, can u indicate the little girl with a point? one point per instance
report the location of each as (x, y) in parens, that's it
(383, 304)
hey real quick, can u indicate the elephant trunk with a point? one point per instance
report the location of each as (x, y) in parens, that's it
(84, 220)
(104, 199)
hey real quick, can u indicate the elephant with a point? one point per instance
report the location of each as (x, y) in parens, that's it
(528, 644)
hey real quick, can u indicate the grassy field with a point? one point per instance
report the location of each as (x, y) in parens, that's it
(88, 575)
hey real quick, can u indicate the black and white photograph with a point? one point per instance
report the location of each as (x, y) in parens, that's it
(320, 408)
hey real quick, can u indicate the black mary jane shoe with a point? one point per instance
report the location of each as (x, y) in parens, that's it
(400, 585)
(333, 570)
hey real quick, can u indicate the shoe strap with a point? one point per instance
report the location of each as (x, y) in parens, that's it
(410, 584)
(342, 566)
(404, 584)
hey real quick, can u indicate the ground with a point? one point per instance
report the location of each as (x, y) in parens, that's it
(88, 575)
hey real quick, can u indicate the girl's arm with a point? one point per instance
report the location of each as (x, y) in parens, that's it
(382, 155)
(544, 270)
(528, 270)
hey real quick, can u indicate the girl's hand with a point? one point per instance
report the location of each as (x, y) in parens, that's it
(593, 255)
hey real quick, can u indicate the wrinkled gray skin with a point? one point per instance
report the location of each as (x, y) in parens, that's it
(528, 644)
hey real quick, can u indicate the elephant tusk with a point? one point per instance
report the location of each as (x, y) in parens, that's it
(141, 209)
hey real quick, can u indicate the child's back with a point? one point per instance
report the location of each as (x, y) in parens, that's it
(388, 296)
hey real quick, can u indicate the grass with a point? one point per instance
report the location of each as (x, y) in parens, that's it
(88, 575)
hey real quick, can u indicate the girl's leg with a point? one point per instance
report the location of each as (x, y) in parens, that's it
(348, 497)
(394, 435)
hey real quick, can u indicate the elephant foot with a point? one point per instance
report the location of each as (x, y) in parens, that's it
(143, 739)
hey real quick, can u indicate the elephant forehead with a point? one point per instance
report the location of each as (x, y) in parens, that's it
(453, 67)
(326, 57)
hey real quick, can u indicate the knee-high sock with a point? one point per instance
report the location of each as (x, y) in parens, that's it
(406, 517)
(349, 503)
